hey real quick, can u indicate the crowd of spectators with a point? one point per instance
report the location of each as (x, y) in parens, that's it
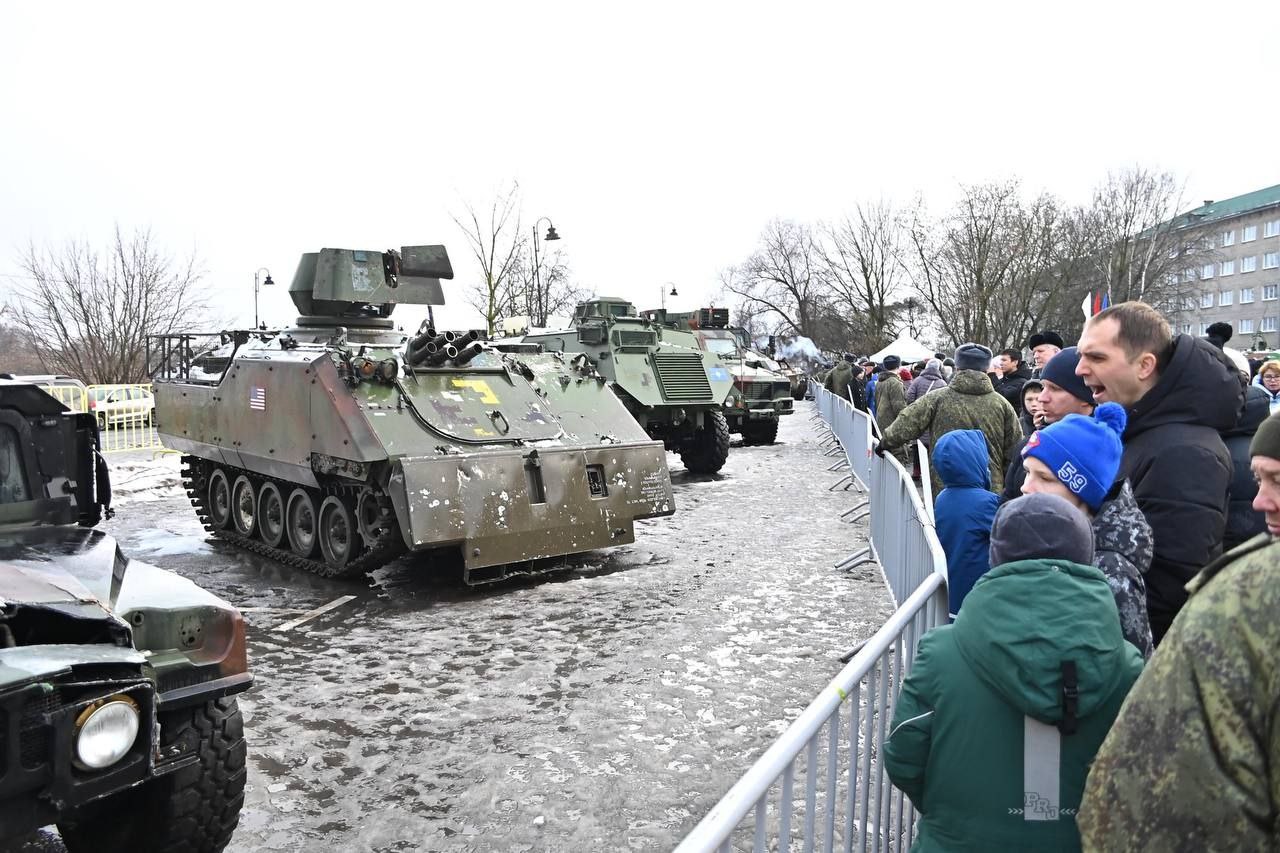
(1109, 512)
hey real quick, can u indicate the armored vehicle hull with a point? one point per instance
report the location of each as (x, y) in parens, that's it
(117, 678)
(760, 396)
(674, 389)
(337, 448)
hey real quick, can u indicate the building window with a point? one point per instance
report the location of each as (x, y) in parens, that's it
(1204, 329)
(1229, 237)
(1227, 268)
(1249, 264)
(1226, 297)
(1244, 326)
(1271, 229)
(1206, 300)
(1269, 292)
(1185, 328)
(1271, 260)
(1206, 271)
(1246, 295)
(1248, 233)
(1268, 324)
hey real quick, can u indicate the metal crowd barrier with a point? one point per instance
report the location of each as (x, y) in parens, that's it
(124, 412)
(823, 779)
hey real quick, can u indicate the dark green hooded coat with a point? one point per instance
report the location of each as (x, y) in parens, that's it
(975, 741)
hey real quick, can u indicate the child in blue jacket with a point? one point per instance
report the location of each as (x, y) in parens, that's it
(964, 510)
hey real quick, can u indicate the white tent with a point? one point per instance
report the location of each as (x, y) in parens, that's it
(906, 348)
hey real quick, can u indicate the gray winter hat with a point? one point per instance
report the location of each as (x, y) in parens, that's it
(973, 357)
(1041, 527)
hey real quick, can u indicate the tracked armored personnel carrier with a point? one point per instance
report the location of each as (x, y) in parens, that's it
(341, 443)
(674, 388)
(760, 395)
(117, 679)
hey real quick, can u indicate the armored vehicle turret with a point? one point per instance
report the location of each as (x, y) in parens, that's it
(760, 395)
(675, 389)
(339, 443)
(117, 679)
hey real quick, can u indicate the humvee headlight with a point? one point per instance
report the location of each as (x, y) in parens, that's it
(105, 732)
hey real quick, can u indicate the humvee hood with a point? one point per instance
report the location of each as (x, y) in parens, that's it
(76, 568)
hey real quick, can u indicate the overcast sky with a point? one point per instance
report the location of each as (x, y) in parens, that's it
(658, 137)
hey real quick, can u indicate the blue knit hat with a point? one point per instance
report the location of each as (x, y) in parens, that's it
(1083, 452)
(1061, 371)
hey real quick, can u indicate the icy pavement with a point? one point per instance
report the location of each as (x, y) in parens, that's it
(606, 707)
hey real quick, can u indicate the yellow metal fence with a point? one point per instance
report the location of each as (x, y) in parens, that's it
(125, 413)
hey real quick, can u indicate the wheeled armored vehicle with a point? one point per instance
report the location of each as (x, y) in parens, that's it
(340, 443)
(760, 394)
(118, 716)
(674, 388)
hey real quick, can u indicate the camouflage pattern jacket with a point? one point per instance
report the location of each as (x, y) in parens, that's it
(891, 400)
(843, 382)
(1193, 761)
(1123, 546)
(969, 402)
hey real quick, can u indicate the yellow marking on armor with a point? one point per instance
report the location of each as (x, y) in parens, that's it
(480, 387)
(482, 431)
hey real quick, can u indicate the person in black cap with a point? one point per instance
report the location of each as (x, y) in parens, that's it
(1218, 334)
(891, 399)
(1044, 346)
(1063, 393)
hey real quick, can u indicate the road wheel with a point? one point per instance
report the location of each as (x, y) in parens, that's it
(102, 422)
(271, 521)
(708, 449)
(193, 809)
(338, 539)
(761, 432)
(300, 522)
(219, 499)
(244, 509)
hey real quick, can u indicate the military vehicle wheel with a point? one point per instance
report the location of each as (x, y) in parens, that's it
(102, 422)
(192, 809)
(708, 450)
(219, 499)
(760, 432)
(300, 522)
(270, 515)
(244, 510)
(337, 532)
(798, 393)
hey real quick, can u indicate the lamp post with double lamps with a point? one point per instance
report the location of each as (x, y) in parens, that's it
(537, 269)
(266, 283)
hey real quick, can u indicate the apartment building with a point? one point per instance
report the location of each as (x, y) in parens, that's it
(1240, 285)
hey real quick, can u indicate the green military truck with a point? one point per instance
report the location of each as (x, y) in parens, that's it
(341, 443)
(674, 388)
(761, 395)
(117, 679)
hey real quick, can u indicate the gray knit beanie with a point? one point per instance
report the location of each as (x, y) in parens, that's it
(1040, 526)
(973, 357)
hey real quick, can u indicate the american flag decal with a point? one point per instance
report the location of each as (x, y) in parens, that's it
(258, 399)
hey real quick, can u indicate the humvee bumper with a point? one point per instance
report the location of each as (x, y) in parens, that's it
(516, 505)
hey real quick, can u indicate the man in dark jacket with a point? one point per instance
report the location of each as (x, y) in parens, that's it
(1044, 346)
(844, 381)
(1243, 521)
(996, 725)
(1180, 393)
(1014, 373)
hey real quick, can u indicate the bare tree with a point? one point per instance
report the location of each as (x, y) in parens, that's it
(548, 290)
(782, 278)
(862, 260)
(87, 313)
(495, 240)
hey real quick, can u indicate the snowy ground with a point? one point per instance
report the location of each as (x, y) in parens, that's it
(606, 707)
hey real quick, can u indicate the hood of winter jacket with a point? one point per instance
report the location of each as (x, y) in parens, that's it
(961, 459)
(1257, 406)
(933, 373)
(1022, 620)
(1121, 527)
(1199, 386)
(973, 382)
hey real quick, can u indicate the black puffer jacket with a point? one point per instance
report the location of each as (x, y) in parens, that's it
(1243, 521)
(1010, 387)
(1180, 469)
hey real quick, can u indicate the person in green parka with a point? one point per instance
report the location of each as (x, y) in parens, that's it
(891, 399)
(1003, 711)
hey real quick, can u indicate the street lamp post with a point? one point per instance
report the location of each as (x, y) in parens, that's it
(266, 283)
(537, 269)
(662, 292)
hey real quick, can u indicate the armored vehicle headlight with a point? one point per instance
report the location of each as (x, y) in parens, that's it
(388, 369)
(105, 732)
(364, 368)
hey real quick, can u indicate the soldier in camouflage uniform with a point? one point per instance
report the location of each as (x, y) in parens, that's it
(1193, 761)
(969, 402)
(891, 400)
(843, 382)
